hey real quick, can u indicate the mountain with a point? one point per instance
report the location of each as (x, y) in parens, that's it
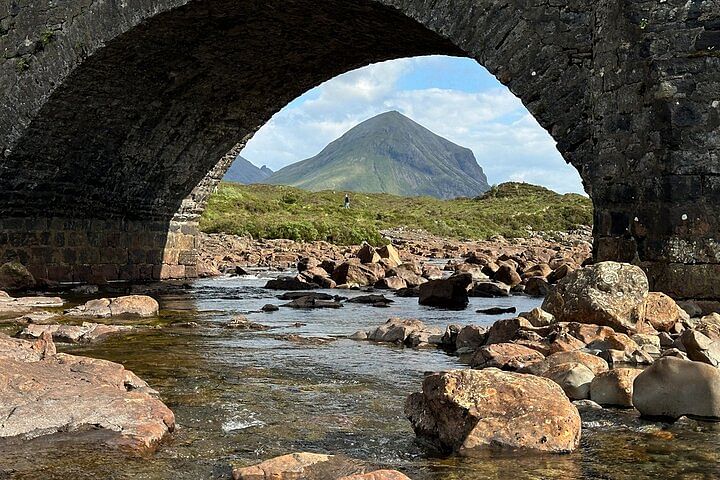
(242, 171)
(389, 153)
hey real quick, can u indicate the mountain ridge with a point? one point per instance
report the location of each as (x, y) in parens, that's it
(389, 153)
(245, 172)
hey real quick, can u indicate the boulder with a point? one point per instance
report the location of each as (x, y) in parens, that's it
(538, 317)
(606, 293)
(411, 273)
(309, 302)
(390, 252)
(588, 333)
(559, 273)
(496, 310)
(614, 341)
(432, 272)
(446, 293)
(538, 270)
(573, 378)
(701, 348)
(672, 387)
(505, 356)
(391, 283)
(475, 270)
(469, 338)
(44, 392)
(537, 287)
(14, 276)
(269, 307)
(372, 299)
(85, 333)
(367, 254)
(488, 289)
(662, 312)
(596, 364)
(464, 410)
(293, 466)
(361, 275)
(614, 387)
(506, 330)
(564, 342)
(396, 330)
(128, 306)
(638, 357)
(290, 283)
(507, 275)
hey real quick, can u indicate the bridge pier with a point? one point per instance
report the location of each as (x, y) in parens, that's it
(99, 251)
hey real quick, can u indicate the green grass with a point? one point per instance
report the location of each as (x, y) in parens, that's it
(273, 211)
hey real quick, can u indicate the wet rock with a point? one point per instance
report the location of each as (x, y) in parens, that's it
(85, 333)
(391, 283)
(10, 306)
(371, 299)
(701, 348)
(299, 466)
(299, 294)
(269, 307)
(537, 287)
(14, 276)
(614, 387)
(408, 292)
(573, 378)
(488, 289)
(464, 410)
(359, 335)
(42, 392)
(672, 388)
(289, 283)
(596, 364)
(447, 293)
(507, 275)
(496, 310)
(606, 293)
(305, 341)
(129, 306)
(538, 317)
(505, 356)
(662, 312)
(378, 475)
(397, 330)
(308, 302)
(390, 252)
(241, 322)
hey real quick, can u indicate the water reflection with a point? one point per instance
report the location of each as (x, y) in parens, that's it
(241, 396)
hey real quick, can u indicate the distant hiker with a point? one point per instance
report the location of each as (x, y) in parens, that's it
(347, 201)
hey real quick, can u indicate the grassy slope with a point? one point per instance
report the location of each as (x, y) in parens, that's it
(271, 211)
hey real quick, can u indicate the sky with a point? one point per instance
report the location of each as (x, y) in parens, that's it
(454, 97)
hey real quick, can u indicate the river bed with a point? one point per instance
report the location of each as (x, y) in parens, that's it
(241, 397)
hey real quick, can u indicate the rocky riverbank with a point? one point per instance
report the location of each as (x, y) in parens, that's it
(222, 253)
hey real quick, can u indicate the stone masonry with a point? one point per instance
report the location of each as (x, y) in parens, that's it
(113, 113)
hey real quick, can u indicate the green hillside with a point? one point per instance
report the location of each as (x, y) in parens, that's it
(268, 211)
(389, 153)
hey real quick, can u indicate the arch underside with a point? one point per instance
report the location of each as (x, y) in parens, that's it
(104, 139)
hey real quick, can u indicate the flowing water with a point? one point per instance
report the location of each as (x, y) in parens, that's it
(240, 397)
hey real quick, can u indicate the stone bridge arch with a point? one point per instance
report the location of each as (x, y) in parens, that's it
(114, 111)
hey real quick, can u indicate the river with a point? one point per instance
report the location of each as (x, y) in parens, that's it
(241, 397)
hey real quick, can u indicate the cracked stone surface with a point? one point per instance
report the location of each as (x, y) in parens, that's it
(43, 392)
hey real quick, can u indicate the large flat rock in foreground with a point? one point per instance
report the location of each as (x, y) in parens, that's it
(43, 392)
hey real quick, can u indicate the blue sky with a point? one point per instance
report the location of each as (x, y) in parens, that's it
(454, 97)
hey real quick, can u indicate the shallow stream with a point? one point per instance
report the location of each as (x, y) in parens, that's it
(241, 397)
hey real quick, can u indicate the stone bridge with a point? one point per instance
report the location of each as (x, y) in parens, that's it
(112, 113)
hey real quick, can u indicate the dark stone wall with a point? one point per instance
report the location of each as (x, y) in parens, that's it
(117, 111)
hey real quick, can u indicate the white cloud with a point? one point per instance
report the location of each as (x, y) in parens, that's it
(507, 141)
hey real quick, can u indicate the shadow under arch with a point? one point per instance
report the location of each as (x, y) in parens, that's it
(92, 181)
